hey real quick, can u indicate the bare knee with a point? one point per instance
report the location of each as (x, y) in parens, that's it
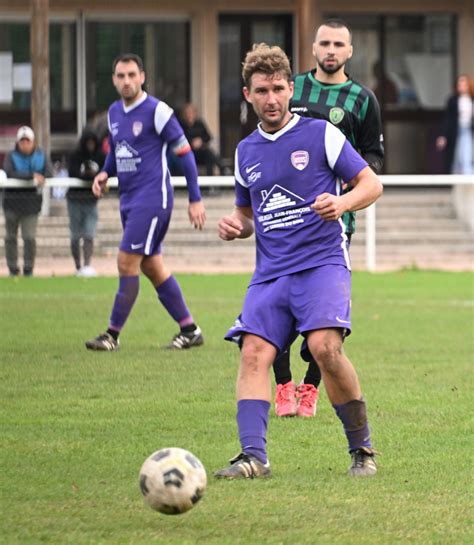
(128, 264)
(155, 270)
(327, 350)
(256, 355)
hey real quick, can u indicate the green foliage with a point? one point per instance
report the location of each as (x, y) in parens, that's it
(76, 426)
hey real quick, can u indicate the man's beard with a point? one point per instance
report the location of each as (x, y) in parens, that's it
(330, 69)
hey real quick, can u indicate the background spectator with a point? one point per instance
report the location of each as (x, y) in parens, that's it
(198, 136)
(84, 163)
(98, 124)
(23, 205)
(385, 88)
(457, 139)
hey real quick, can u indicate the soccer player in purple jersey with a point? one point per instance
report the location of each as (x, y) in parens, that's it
(289, 174)
(141, 129)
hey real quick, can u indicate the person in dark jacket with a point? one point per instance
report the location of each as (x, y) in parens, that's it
(457, 139)
(84, 163)
(23, 205)
(199, 138)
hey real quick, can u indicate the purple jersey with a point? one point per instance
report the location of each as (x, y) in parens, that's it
(280, 175)
(139, 136)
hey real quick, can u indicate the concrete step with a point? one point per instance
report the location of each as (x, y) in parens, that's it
(414, 226)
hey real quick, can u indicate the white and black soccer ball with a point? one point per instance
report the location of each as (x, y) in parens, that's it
(172, 480)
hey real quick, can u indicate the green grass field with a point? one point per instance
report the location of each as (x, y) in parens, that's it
(76, 426)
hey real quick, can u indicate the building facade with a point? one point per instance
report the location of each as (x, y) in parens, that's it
(408, 51)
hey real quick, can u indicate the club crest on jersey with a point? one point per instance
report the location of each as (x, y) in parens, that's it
(336, 115)
(137, 128)
(300, 159)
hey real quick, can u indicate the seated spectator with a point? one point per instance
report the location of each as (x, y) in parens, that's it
(23, 205)
(199, 138)
(84, 163)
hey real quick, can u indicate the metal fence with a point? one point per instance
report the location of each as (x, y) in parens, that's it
(465, 206)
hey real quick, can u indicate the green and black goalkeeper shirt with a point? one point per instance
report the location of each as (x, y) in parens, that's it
(352, 108)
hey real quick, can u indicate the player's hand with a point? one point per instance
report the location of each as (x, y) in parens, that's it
(229, 228)
(330, 207)
(197, 214)
(100, 184)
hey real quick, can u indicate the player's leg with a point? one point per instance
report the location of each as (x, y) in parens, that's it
(308, 391)
(167, 287)
(129, 269)
(265, 327)
(253, 407)
(285, 394)
(343, 389)
(171, 297)
(323, 312)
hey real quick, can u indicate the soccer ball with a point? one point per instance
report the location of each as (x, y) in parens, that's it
(172, 480)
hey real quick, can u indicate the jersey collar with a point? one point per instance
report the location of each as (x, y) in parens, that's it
(275, 135)
(328, 85)
(137, 103)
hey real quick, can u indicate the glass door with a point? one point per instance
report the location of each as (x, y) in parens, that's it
(237, 33)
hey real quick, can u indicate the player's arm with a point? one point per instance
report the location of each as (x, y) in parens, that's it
(239, 224)
(349, 166)
(367, 188)
(169, 129)
(196, 210)
(370, 141)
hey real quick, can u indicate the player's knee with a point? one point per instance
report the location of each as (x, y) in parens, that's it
(328, 353)
(128, 264)
(255, 355)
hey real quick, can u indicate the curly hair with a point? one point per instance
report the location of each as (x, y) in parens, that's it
(267, 60)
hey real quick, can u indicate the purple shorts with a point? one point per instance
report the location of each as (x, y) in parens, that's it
(280, 309)
(144, 230)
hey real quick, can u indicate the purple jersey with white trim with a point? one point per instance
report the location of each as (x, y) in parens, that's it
(280, 175)
(140, 135)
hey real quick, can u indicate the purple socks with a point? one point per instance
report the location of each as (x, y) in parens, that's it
(124, 300)
(353, 416)
(252, 421)
(171, 297)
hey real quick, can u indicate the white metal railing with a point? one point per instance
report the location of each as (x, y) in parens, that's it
(410, 180)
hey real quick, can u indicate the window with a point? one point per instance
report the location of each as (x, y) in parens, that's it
(163, 46)
(15, 43)
(410, 63)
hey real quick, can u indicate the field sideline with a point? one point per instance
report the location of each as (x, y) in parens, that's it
(76, 426)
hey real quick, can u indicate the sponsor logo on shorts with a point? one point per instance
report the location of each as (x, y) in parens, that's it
(136, 246)
(342, 321)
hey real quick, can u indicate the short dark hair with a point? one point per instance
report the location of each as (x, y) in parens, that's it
(128, 57)
(265, 59)
(335, 22)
